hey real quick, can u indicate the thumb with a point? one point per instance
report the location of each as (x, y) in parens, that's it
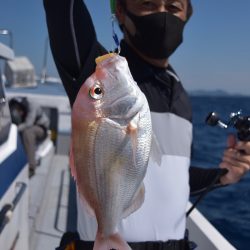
(231, 141)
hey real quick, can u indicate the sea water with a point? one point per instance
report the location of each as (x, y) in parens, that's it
(227, 208)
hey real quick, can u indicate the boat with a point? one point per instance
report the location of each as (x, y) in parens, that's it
(35, 213)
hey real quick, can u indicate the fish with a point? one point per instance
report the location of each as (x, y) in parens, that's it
(110, 147)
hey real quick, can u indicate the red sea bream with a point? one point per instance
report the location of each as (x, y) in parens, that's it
(110, 146)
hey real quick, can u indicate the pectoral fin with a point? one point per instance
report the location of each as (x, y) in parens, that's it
(132, 130)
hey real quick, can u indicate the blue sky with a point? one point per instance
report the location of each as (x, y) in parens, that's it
(215, 53)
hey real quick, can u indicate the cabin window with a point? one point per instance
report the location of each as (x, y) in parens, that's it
(5, 119)
(2, 97)
(1, 87)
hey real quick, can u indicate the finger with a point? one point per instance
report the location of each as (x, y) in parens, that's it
(230, 177)
(235, 158)
(225, 165)
(235, 166)
(230, 161)
(231, 141)
(242, 157)
(243, 146)
(235, 172)
(237, 155)
(231, 153)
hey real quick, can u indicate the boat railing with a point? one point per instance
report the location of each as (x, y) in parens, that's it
(8, 209)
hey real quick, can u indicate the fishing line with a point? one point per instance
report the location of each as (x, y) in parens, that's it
(205, 192)
(113, 20)
(114, 34)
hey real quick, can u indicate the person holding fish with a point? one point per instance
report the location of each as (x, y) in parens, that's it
(128, 197)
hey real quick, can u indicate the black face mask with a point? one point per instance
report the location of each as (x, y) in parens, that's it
(157, 35)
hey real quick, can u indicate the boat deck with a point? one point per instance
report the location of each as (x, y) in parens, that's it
(51, 190)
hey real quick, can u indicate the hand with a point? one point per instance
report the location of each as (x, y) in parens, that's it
(236, 160)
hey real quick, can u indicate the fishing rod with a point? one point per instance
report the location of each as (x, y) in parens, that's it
(242, 125)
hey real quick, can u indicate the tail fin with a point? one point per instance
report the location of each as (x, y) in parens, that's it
(114, 241)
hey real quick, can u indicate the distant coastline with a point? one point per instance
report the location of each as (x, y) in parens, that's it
(215, 93)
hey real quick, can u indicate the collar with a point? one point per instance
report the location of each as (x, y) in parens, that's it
(139, 68)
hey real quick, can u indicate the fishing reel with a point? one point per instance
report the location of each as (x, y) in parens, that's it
(242, 125)
(236, 120)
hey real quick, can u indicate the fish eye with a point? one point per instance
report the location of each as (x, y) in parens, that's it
(96, 92)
